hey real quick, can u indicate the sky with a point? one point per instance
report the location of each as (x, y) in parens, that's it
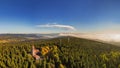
(55, 16)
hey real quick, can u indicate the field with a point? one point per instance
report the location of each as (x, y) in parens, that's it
(62, 52)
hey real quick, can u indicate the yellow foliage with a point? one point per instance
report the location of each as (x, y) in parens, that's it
(104, 57)
(45, 50)
(55, 47)
(115, 54)
(61, 66)
(119, 66)
(3, 41)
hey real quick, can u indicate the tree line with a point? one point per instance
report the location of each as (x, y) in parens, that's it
(64, 53)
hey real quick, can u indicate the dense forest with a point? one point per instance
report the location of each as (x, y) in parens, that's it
(64, 52)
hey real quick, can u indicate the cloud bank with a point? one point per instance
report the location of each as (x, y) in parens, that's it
(54, 25)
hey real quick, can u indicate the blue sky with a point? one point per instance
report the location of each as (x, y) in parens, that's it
(53, 16)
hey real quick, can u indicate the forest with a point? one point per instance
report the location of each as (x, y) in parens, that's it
(64, 52)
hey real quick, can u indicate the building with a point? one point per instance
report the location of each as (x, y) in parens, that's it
(35, 53)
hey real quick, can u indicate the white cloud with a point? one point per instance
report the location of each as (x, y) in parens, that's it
(54, 25)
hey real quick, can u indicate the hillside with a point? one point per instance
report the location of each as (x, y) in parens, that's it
(64, 52)
(107, 38)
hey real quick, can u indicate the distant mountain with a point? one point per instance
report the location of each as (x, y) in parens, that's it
(109, 38)
(28, 36)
